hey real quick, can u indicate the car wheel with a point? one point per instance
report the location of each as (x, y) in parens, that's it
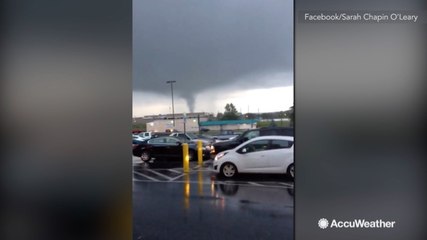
(228, 170)
(291, 171)
(145, 156)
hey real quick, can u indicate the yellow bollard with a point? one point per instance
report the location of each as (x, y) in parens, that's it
(185, 158)
(200, 153)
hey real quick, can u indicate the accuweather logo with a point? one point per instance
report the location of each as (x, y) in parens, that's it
(323, 223)
(356, 223)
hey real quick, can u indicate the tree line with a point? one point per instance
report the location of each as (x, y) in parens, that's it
(231, 113)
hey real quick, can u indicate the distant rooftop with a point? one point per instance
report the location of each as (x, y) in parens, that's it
(228, 122)
(178, 115)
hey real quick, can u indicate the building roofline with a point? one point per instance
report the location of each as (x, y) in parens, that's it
(228, 122)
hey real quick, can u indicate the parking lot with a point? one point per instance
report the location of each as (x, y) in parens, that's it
(202, 205)
(173, 172)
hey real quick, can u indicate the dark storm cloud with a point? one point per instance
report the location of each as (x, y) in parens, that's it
(205, 44)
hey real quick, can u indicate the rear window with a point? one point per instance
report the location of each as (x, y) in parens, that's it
(278, 144)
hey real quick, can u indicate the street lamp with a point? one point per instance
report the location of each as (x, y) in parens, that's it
(173, 110)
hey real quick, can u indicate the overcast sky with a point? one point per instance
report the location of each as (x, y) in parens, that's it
(217, 51)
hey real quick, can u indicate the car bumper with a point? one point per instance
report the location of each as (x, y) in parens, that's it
(216, 166)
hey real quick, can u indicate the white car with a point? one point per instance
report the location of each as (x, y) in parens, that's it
(138, 138)
(145, 135)
(268, 154)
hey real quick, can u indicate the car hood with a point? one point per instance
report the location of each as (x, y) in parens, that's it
(224, 143)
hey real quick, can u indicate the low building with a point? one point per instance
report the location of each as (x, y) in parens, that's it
(183, 122)
(236, 125)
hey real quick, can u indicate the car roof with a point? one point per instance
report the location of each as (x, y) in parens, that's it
(272, 138)
(150, 141)
(166, 137)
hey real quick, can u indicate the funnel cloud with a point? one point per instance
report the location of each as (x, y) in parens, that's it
(217, 45)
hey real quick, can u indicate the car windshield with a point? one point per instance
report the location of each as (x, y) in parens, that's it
(204, 136)
(252, 134)
(192, 135)
(234, 137)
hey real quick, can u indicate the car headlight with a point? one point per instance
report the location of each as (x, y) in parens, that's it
(220, 155)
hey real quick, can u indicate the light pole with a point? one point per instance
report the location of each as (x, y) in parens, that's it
(173, 110)
(185, 119)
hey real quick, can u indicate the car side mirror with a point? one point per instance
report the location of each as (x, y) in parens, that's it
(178, 143)
(245, 139)
(242, 150)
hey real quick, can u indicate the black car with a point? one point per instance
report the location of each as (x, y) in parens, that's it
(249, 134)
(192, 137)
(225, 136)
(167, 148)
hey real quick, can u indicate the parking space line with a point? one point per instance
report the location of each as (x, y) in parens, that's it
(255, 184)
(175, 171)
(143, 175)
(201, 170)
(209, 183)
(173, 179)
(286, 184)
(159, 174)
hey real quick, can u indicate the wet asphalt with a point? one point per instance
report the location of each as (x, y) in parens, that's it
(171, 204)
